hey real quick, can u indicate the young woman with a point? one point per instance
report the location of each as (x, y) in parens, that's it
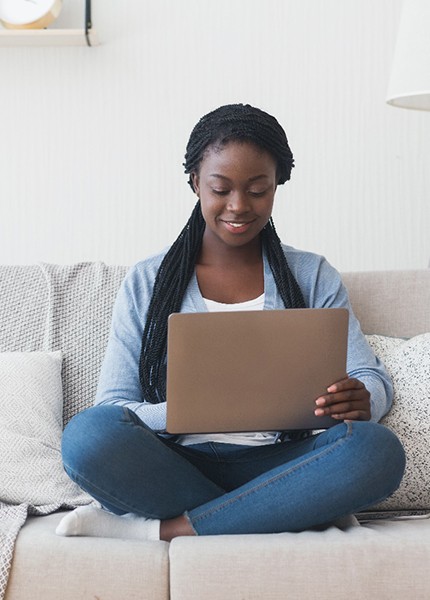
(228, 257)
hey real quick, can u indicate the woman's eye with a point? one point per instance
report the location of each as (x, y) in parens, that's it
(257, 194)
(220, 192)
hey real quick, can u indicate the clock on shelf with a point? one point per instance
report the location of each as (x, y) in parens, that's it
(25, 23)
(28, 14)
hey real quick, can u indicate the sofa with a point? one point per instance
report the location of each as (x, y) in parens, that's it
(54, 327)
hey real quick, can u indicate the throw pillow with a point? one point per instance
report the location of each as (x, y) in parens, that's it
(408, 363)
(31, 416)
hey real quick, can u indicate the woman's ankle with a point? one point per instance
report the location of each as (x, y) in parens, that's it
(171, 528)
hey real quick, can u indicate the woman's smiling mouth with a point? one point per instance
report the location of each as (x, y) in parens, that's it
(237, 226)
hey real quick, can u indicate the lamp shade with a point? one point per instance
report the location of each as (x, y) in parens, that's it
(409, 85)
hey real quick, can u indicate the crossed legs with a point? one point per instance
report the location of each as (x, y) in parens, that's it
(220, 488)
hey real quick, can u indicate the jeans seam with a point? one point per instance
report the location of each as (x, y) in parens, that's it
(276, 449)
(218, 460)
(323, 453)
(106, 495)
(187, 516)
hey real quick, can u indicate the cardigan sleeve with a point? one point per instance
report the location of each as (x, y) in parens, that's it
(119, 377)
(322, 286)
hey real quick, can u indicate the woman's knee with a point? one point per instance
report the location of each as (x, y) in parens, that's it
(89, 435)
(383, 452)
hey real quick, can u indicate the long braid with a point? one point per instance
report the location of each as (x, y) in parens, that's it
(235, 122)
(286, 283)
(170, 284)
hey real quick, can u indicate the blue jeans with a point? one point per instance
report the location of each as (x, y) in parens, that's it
(226, 488)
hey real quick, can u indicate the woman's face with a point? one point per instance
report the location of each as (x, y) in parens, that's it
(236, 185)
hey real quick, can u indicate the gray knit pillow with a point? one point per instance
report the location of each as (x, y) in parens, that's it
(408, 363)
(31, 411)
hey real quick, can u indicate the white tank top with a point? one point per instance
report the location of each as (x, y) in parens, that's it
(257, 438)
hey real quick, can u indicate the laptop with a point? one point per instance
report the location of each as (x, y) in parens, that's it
(253, 370)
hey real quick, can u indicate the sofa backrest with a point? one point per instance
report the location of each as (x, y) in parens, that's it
(393, 303)
(51, 307)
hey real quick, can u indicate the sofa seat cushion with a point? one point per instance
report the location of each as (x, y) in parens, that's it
(48, 567)
(387, 560)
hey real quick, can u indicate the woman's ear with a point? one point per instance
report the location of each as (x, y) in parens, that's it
(196, 183)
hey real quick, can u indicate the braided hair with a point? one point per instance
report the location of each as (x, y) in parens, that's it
(234, 122)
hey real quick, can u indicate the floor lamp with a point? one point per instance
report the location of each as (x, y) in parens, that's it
(409, 85)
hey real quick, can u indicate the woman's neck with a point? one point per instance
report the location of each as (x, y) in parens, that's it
(231, 275)
(215, 254)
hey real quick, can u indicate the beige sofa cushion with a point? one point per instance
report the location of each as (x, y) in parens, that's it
(382, 560)
(50, 567)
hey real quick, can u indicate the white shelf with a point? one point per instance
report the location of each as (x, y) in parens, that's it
(47, 37)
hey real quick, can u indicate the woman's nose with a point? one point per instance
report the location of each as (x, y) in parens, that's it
(238, 202)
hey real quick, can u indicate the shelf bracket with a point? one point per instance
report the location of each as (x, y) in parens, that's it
(88, 22)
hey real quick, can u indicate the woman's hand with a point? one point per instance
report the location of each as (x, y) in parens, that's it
(347, 399)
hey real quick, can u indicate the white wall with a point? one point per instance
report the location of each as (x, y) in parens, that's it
(92, 139)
